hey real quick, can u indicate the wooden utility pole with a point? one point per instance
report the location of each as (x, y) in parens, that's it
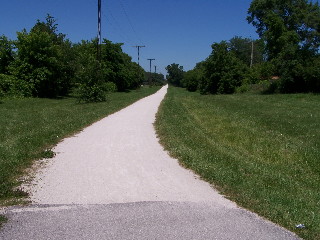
(138, 47)
(251, 58)
(99, 31)
(150, 59)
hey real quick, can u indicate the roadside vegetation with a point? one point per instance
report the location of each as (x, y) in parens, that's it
(284, 59)
(30, 127)
(261, 151)
(43, 63)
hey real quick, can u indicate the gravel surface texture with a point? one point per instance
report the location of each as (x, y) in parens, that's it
(119, 160)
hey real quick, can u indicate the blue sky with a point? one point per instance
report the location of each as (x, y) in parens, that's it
(174, 31)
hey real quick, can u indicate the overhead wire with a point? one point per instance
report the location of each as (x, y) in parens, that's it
(112, 21)
(130, 22)
(117, 27)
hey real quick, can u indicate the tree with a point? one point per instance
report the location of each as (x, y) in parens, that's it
(157, 78)
(43, 60)
(121, 70)
(192, 78)
(175, 74)
(244, 47)
(6, 58)
(114, 70)
(6, 54)
(291, 31)
(286, 23)
(223, 71)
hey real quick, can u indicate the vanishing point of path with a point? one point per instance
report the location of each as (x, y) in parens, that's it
(114, 181)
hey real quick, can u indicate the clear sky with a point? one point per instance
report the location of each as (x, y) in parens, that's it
(173, 31)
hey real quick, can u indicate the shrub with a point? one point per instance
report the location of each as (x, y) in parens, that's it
(243, 88)
(92, 86)
(94, 93)
(110, 87)
(10, 86)
(192, 78)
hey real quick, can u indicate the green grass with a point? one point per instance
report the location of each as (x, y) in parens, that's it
(262, 151)
(29, 128)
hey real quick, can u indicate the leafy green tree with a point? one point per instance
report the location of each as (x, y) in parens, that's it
(223, 71)
(94, 77)
(290, 30)
(91, 76)
(175, 74)
(286, 23)
(193, 77)
(43, 60)
(6, 58)
(6, 54)
(157, 78)
(121, 70)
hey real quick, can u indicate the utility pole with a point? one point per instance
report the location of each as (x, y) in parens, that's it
(251, 58)
(99, 31)
(150, 59)
(138, 47)
(155, 69)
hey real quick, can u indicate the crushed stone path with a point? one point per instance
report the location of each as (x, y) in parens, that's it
(113, 180)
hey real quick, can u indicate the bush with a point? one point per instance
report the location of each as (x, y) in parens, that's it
(259, 72)
(94, 93)
(10, 86)
(6, 83)
(243, 89)
(191, 79)
(110, 87)
(1, 94)
(92, 86)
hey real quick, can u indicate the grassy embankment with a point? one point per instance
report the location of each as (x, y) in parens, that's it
(29, 128)
(262, 151)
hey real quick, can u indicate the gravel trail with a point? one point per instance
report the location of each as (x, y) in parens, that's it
(113, 180)
(119, 160)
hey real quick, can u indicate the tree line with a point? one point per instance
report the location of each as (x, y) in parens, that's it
(284, 59)
(44, 63)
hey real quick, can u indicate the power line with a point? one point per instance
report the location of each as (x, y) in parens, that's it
(118, 27)
(114, 24)
(130, 22)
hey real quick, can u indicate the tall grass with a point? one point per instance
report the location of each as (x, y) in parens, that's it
(261, 151)
(29, 128)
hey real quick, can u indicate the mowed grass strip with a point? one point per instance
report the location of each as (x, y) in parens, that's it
(29, 128)
(262, 151)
